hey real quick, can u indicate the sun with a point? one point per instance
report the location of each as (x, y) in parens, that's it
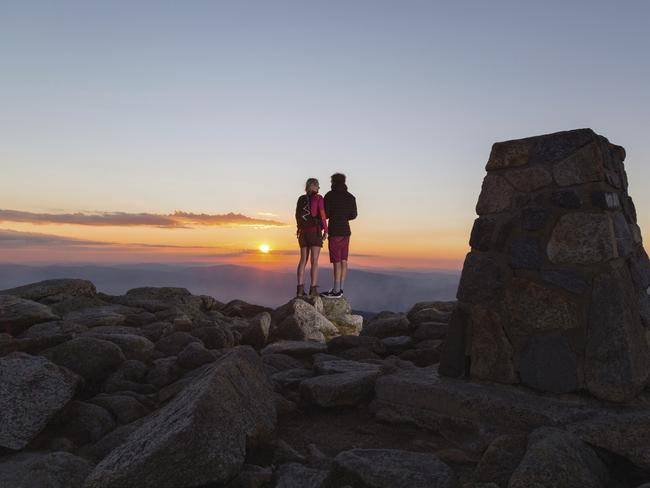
(265, 248)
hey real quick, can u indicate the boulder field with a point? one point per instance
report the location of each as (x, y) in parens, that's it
(536, 377)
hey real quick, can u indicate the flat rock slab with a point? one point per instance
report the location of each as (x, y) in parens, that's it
(98, 316)
(52, 291)
(422, 397)
(295, 348)
(345, 366)
(200, 436)
(626, 433)
(558, 458)
(332, 390)
(18, 314)
(294, 475)
(389, 468)
(43, 470)
(32, 391)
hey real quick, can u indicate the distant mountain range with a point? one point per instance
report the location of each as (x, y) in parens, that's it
(369, 291)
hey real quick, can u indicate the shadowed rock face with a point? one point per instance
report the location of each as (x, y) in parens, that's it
(553, 294)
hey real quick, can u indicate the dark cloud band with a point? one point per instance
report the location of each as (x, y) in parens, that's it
(175, 220)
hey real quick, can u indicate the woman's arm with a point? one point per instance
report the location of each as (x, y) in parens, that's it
(318, 210)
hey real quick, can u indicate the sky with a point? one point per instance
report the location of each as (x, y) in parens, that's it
(184, 131)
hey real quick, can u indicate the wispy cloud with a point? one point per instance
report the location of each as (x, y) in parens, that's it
(175, 220)
(14, 238)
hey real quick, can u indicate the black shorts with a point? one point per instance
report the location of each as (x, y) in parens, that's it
(310, 239)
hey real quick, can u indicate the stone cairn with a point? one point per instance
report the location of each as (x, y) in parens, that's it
(553, 294)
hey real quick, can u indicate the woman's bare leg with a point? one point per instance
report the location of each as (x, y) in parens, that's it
(300, 271)
(315, 252)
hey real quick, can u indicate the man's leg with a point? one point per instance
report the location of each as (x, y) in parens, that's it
(337, 277)
(344, 272)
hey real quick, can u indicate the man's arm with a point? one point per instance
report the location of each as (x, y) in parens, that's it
(326, 201)
(353, 209)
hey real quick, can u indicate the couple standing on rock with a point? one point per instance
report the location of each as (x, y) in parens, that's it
(312, 214)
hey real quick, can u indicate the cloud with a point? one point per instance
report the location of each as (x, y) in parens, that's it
(175, 220)
(14, 238)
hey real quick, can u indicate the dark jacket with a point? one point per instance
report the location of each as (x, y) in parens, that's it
(340, 207)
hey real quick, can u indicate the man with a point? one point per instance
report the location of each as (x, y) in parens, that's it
(340, 208)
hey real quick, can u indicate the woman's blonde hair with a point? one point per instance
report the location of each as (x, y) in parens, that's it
(310, 181)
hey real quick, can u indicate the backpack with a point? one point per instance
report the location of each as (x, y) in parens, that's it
(304, 218)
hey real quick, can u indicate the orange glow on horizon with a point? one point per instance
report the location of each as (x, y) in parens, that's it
(419, 249)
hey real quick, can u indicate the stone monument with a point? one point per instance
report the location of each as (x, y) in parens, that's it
(553, 293)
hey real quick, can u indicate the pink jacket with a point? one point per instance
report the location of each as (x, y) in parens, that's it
(317, 205)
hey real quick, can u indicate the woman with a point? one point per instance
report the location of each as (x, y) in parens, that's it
(312, 231)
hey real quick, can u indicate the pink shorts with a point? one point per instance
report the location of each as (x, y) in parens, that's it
(339, 247)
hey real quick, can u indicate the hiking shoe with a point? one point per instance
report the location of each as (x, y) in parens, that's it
(327, 293)
(313, 291)
(300, 291)
(336, 294)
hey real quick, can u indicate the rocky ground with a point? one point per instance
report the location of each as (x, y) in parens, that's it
(161, 388)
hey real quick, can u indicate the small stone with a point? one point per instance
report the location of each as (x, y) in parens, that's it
(173, 344)
(349, 324)
(194, 356)
(43, 469)
(549, 148)
(639, 266)
(332, 390)
(299, 320)
(525, 253)
(18, 314)
(397, 344)
(96, 316)
(582, 238)
(583, 166)
(491, 351)
(557, 458)
(569, 199)
(624, 241)
(534, 307)
(396, 325)
(509, 154)
(164, 371)
(482, 232)
(291, 377)
(294, 475)
(133, 346)
(568, 279)
(389, 468)
(427, 312)
(422, 357)
(529, 179)
(482, 279)
(500, 459)
(534, 218)
(295, 348)
(496, 195)
(32, 392)
(93, 359)
(453, 353)
(605, 200)
(503, 234)
(548, 364)
(430, 330)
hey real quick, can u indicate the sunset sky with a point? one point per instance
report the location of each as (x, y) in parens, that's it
(184, 131)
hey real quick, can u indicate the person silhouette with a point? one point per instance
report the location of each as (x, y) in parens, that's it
(340, 208)
(311, 232)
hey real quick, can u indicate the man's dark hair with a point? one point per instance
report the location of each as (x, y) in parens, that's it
(338, 179)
